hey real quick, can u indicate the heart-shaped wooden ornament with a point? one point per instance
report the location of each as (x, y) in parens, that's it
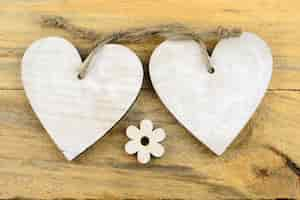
(214, 107)
(76, 113)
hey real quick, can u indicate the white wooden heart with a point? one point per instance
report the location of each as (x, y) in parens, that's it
(76, 113)
(213, 107)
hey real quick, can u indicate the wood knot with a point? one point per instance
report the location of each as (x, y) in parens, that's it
(262, 172)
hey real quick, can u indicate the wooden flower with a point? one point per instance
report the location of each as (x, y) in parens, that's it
(145, 141)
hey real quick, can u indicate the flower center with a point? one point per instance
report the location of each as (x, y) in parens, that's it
(145, 141)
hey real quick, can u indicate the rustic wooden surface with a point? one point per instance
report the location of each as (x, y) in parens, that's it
(263, 162)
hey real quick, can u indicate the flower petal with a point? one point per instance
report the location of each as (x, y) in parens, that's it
(157, 149)
(159, 135)
(132, 146)
(146, 126)
(143, 156)
(133, 132)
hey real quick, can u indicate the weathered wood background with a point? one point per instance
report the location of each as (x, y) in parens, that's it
(263, 162)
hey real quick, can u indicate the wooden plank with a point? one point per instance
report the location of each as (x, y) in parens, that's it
(21, 24)
(257, 165)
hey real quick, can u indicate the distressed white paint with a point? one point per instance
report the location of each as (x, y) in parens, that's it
(151, 147)
(213, 107)
(76, 113)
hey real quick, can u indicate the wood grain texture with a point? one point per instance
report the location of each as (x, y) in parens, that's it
(263, 162)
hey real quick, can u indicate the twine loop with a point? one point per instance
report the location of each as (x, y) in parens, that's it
(168, 31)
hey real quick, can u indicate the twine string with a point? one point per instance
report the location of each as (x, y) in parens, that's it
(168, 31)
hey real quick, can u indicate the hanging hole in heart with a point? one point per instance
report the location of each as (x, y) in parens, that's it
(79, 77)
(145, 141)
(211, 70)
